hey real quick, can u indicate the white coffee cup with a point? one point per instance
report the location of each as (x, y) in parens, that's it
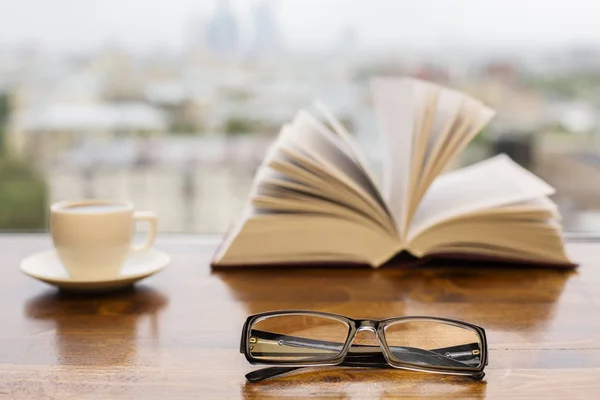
(94, 237)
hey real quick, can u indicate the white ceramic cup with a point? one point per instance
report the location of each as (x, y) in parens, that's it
(94, 237)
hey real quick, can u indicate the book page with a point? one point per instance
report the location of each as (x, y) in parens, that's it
(476, 116)
(318, 141)
(297, 166)
(507, 238)
(495, 182)
(425, 98)
(275, 237)
(343, 134)
(327, 156)
(471, 117)
(279, 192)
(445, 121)
(540, 208)
(447, 110)
(424, 127)
(397, 118)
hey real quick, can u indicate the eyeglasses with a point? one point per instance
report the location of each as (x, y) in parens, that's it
(290, 340)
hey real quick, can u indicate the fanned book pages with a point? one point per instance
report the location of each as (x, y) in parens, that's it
(314, 200)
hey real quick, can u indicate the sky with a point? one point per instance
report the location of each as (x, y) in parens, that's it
(81, 25)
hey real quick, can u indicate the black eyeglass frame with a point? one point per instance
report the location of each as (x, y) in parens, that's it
(354, 326)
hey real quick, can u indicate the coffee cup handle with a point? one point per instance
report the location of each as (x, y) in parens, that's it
(150, 218)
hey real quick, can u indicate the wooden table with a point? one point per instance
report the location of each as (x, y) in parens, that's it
(177, 334)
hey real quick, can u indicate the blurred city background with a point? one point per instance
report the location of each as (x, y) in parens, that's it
(172, 103)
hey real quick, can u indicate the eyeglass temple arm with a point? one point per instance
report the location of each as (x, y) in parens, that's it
(271, 372)
(366, 361)
(459, 350)
(358, 356)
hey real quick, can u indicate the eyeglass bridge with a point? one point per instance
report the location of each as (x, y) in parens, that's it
(366, 325)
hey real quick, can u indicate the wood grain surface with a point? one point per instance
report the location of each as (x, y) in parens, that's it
(176, 335)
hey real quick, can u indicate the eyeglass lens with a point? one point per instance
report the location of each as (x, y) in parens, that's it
(297, 338)
(433, 343)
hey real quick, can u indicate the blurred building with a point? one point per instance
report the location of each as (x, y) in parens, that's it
(42, 133)
(222, 31)
(267, 39)
(517, 106)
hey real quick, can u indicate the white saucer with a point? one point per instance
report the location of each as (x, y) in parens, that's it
(48, 268)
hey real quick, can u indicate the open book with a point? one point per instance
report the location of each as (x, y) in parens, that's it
(314, 199)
